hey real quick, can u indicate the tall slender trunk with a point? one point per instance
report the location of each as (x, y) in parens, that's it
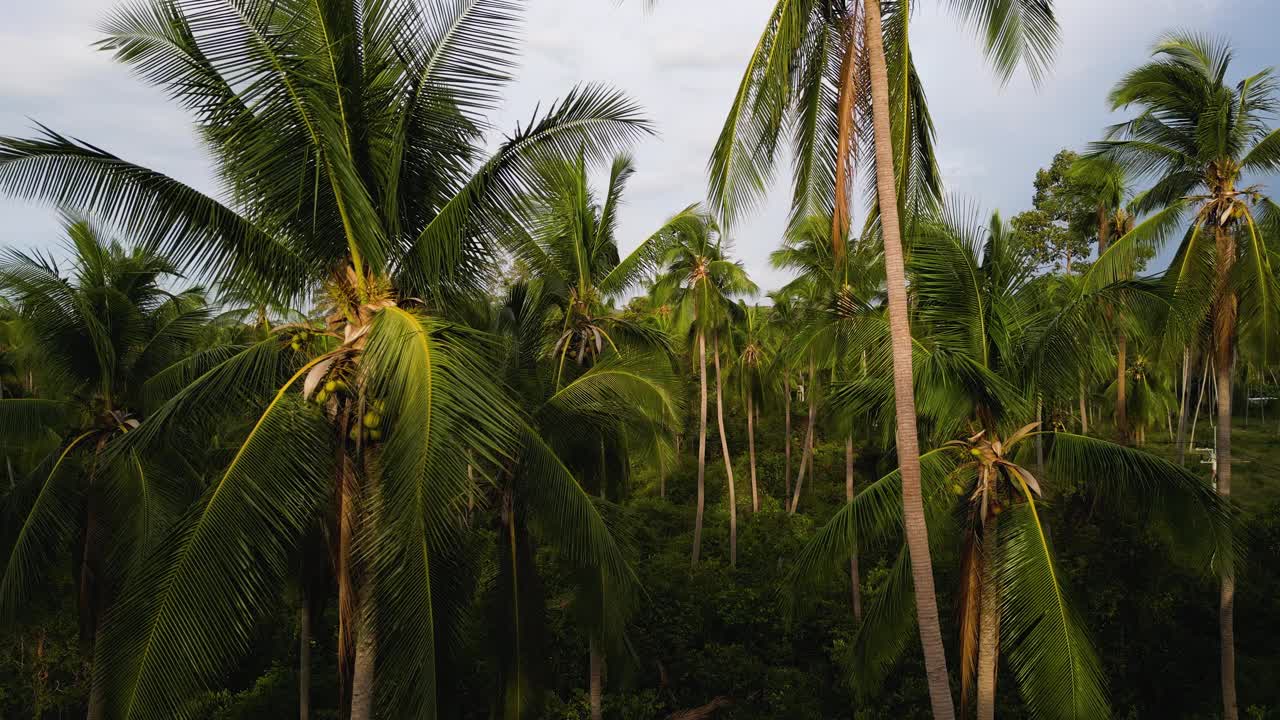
(855, 579)
(1204, 382)
(728, 461)
(1181, 438)
(1224, 337)
(597, 680)
(1084, 409)
(751, 452)
(786, 391)
(917, 533)
(97, 691)
(92, 605)
(702, 448)
(347, 601)
(989, 624)
(1122, 403)
(366, 652)
(806, 457)
(362, 678)
(304, 659)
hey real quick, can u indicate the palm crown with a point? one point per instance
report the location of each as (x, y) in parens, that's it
(348, 141)
(105, 338)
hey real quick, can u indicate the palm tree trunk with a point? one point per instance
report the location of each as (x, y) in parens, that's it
(1122, 409)
(751, 452)
(855, 580)
(347, 607)
(597, 680)
(1084, 409)
(92, 607)
(1181, 439)
(1224, 332)
(917, 533)
(702, 448)
(786, 391)
(304, 660)
(362, 677)
(1195, 417)
(97, 692)
(728, 461)
(989, 624)
(806, 457)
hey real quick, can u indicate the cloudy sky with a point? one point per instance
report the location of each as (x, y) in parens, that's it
(681, 61)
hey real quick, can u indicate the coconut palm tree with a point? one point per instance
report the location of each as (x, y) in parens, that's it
(836, 296)
(822, 67)
(104, 336)
(349, 142)
(701, 280)
(582, 420)
(1198, 138)
(784, 320)
(752, 361)
(569, 241)
(1107, 185)
(985, 334)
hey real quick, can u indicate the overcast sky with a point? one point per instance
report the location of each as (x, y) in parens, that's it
(682, 62)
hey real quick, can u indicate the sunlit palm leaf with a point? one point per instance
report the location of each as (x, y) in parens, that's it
(1043, 640)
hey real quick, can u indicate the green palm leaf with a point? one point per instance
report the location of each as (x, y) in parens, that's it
(160, 212)
(50, 520)
(177, 622)
(592, 119)
(440, 402)
(1045, 644)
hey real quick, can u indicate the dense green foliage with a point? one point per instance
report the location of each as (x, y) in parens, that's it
(429, 440)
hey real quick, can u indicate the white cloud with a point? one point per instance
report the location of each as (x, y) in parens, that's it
(682, 62)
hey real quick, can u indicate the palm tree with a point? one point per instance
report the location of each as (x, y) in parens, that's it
(349, 139)
(784, 319)
(105, 335)
(1196, 137)
(1107, 184)
(569, 242)
(986, 351)
(574, 444)
(701, 280)
(805, 51)
(836, 295)
(752, 361)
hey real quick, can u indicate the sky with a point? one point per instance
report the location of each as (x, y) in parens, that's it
(681, 61)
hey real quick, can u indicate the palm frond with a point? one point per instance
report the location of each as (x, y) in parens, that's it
(440, 402)
(591, 119)
(1184, 510)
(1014, 32)
(1044, 642)
(198, 232)
(175, 625)
(45, 526)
